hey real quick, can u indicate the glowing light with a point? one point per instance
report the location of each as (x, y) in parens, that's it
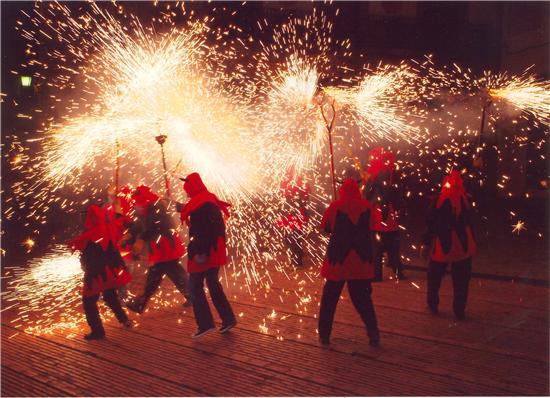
(26, 81)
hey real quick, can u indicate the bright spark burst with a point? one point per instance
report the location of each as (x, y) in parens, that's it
(518, 227)
(526, 93)
(47, 287)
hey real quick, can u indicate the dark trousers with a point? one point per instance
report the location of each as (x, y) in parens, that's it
(386, 242)
(360, 293)
(92, 312)
(461, 272)
(294, 239)
(155, 274)
(203, 315)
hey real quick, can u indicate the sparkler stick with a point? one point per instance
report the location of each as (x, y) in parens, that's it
(329, 127)
(161, 139)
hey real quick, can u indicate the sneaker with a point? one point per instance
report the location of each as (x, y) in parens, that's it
(134, 306)
(202, 332)
(128, 324)
(324, 341)
(94, 336)
(226, 328)
(400, 275)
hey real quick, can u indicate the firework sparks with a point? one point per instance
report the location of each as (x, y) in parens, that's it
(518, 227)
(48, 286)
(526, 93)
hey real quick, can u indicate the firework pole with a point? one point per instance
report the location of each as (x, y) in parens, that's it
(330, 127)
(477, 156)
(161, 139)
(117, 167)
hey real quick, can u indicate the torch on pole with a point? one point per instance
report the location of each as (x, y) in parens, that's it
(330, 126)
(161, 139)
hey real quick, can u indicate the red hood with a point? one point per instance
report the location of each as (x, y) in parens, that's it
(349, 190)
(380, 159)
(452, 189)
(193, 185)
(100, 227)
(143, 196)
(198, 195)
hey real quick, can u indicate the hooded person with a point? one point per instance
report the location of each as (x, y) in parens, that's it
(383, 191)
(104, 269)
(294, 217)
(348, 259)
(204, 215)
(449, 240)
(155, 233)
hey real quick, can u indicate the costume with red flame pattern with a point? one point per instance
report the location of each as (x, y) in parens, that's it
(156, 227)
(348, 260)
(383, 191)
(104, 269)
(203, 214)
(294, 218)
(103, 266)
(450, 240)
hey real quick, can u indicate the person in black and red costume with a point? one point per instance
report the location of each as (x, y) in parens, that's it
(449, 240)
(206, 253)
(382, 190)
(348, 260)
(104, 269)
(294, 218)
(156, 231)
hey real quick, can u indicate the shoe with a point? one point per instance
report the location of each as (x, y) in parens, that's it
(324, 341)
(226, 328)
(128, 324)
(187, 303)
(433, 309)
(94, 336)
(460, 316)
(202, 332)
(400, 275)
(374, 342)
(134, 306)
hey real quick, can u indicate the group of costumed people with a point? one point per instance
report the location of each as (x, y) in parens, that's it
(362, 224)
(139, 222)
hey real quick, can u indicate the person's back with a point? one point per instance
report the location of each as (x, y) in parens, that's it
(449, 239)
(207, 253)
(348, 260)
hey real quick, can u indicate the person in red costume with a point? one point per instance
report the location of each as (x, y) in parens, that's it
(294, 218)
(382, 190)
(156, 233)
(348, 260)
(104, 269)
(449, 240)
(204, 215)
(124, 213)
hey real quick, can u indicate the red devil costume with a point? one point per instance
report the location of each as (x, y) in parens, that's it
(104, 269)
(294, 218)
(449, 239)
(348, 259)
(382, 190)
(204, 215)
(164, 246)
